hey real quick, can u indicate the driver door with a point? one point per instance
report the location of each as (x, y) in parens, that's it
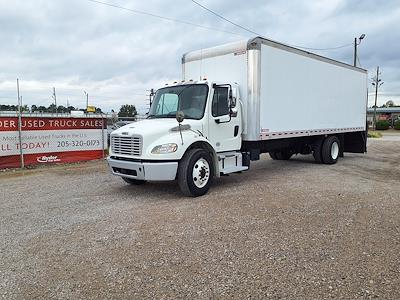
(224, 126)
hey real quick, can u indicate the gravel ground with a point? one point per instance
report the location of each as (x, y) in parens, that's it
(290, 230)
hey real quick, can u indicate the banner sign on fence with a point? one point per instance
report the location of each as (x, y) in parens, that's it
(51, 140)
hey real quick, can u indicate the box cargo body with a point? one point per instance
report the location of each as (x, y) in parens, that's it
(236, 102)
(286, 92)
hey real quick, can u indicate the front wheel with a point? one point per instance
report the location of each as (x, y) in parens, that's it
(195, 173)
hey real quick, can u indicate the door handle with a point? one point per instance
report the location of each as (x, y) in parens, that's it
(236, 131)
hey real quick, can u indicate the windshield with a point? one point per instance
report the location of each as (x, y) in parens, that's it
(190, 99)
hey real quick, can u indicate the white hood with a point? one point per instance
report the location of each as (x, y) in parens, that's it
(148, 127)
(158, 131)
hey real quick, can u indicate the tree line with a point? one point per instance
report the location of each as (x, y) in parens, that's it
(43, 109)
(389, 103)
(126, 110)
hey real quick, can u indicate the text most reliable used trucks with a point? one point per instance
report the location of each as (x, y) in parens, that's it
(256, 96)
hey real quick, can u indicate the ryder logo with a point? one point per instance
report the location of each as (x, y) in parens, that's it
(48, 159)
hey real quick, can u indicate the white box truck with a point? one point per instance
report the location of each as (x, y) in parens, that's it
(240, 100)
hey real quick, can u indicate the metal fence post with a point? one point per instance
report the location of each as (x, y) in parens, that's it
(20, 127)
(102, 134)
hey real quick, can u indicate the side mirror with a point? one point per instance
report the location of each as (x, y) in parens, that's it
(233, 112)
(232, 105)
(180, 116)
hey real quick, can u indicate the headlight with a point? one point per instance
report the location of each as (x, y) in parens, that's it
(165, 148)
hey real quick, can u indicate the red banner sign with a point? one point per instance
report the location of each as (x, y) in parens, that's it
(51, 140)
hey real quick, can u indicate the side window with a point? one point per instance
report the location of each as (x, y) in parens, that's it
(220, 104)
(167, 104)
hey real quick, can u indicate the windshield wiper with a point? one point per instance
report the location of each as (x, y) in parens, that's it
(160, 116)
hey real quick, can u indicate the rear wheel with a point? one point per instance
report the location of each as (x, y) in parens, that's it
(317, 151)
(281, 155)
(272, 154)
(195, 173)
(330, 150)
(284, 154)
(133, 181)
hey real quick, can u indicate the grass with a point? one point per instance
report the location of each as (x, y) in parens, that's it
(374, 134)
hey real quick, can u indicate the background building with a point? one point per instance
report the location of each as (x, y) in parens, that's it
(383, 113)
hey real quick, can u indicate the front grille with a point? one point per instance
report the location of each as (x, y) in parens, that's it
(127, 145)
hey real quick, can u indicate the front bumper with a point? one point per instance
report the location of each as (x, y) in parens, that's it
(151, 171)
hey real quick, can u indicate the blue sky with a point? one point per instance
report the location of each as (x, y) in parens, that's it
(116, 55)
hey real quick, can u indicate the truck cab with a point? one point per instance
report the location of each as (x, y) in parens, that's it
(193, 132)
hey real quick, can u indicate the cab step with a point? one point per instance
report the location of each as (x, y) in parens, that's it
(231, 162)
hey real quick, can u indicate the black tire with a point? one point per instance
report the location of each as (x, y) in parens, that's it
(272, 154)
(284, 154)
(317, 151)
(330, 150)
(192, 160)
(281, 155)
(133, 181)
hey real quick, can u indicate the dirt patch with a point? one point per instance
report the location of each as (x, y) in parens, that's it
(285, 229)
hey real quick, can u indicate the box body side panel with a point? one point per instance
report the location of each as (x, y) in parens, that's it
(304, 95)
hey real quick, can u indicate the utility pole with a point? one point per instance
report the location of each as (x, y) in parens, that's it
(356, 43)
(87, 100)
(55, 98)
(377, 83)
(151, 95)
(355, 52)
(20, 126)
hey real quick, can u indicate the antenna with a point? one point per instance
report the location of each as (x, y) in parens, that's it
(201, 61)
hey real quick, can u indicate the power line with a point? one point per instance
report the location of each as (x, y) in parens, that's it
(161, 17)
(225, 19)
(206, 27)
(359, 63)
(253, 32)
(323, 49)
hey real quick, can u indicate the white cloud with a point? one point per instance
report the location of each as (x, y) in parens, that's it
(115, 55)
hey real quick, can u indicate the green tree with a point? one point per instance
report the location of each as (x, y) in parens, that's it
(24, 108)
(61, 109)
(127, 110)
(70, 108)
(51, 108)
(389, 103)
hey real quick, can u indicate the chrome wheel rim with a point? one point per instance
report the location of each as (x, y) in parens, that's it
(201, 173)
(334, 150)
